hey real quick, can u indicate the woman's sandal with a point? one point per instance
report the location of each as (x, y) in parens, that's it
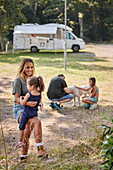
(18, 145)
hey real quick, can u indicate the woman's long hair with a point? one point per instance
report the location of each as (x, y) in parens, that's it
(21, 70)
(93, 81)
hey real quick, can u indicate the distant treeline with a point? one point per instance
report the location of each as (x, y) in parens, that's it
(97, 16)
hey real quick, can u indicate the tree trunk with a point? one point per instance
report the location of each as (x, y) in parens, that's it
(81, 27)
(1, 39)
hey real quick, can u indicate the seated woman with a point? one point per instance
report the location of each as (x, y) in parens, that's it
(26, 70)
(93, 98)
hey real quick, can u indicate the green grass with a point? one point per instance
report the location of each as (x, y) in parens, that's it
(85, 65)
(79, 66)
(75, 158)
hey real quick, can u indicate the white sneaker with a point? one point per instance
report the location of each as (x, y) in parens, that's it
(93, 106)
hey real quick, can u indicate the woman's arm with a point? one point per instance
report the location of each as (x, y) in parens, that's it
(17, 98)
(29, 103)
(82, 88)
(24, 101)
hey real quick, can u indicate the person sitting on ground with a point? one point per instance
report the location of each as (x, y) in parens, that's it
(58, 92)
(35, 86)
(93, 98)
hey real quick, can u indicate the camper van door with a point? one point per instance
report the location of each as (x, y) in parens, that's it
(70, 39)
(50, 43)
(28, 41)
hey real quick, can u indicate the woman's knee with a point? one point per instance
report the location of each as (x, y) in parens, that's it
(27, 131)
(34, 121)
(38, 122)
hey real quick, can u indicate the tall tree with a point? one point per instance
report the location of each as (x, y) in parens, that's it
(10, 15)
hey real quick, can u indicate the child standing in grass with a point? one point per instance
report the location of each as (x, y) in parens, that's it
(35, 86)
(93, 98)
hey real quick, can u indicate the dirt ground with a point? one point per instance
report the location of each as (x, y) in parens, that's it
(66, 128)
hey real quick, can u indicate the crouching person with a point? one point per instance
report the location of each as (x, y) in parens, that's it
(58, 92)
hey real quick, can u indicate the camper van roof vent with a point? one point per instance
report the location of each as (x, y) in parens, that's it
(36, 24)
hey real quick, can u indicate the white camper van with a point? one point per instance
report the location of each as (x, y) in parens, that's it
(48, 36)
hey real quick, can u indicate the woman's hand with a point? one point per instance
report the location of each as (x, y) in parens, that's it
(77, 87)
(31, 103)
(82, 88)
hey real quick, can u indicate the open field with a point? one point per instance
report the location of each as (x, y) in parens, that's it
(70, 135)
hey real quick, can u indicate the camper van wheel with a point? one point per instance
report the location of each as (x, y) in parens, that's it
(75, 48)
(34, 49)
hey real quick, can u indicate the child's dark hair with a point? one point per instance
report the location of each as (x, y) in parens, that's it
(93, 81)
(37, 82)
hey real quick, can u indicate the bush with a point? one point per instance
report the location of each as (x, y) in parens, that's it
(107, 145)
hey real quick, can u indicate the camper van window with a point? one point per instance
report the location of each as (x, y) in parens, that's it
(51, 37)
(69, 36)
(72, 37)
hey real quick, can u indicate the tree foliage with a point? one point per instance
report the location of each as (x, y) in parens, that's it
(97, 14)
(10, 15)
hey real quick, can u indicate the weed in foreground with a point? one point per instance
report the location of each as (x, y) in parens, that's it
(107, 145)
